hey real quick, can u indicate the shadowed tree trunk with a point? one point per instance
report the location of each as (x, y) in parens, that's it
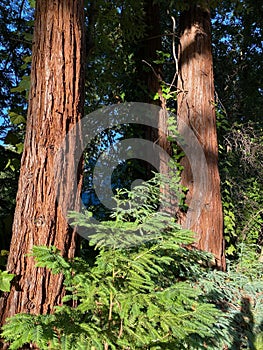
(150, 75)
(197, 123)
(55, 106)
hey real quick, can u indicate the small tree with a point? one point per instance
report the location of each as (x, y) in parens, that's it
(138, 294)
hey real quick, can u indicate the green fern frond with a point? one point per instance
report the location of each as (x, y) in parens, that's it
(50, 258)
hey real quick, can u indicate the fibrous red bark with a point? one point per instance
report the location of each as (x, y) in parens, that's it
(196, 113)
(55, 106)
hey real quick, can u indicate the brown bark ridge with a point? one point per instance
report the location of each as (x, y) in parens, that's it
(196, 112)
(55, 106)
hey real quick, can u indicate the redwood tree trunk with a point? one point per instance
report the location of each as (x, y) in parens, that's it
(196, 112)
(55, 106)
(150, 75)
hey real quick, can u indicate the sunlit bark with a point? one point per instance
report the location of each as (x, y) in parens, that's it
(55, 106)
(196, 111)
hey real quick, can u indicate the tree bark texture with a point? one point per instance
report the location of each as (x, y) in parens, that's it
(150, 75)
(55, 105)
(196, 112)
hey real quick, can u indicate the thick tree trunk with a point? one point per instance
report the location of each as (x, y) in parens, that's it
(55, 106)
(196, 112)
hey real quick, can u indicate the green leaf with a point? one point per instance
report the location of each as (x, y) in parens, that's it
(16, 118)
(24, 85)
(19, 147)
(32, 3)
(5, 280)
(231, 249)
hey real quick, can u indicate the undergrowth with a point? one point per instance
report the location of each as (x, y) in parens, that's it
(145, 289)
